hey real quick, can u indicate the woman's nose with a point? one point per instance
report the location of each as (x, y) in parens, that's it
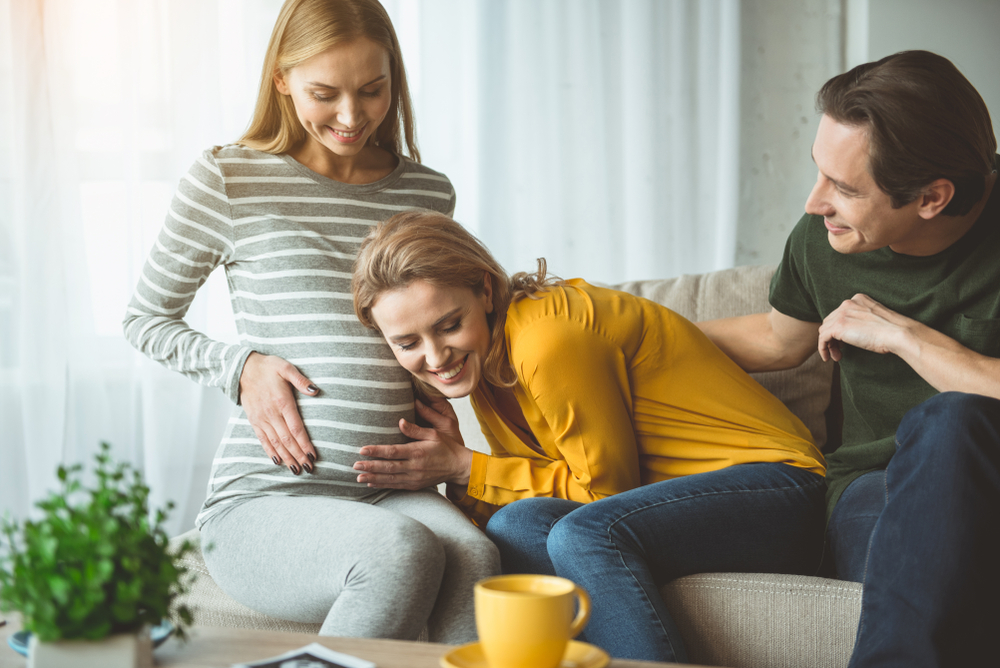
(437, 355)
(348, 113)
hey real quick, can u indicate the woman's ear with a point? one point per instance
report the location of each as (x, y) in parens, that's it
(488, 292)
(279, 82)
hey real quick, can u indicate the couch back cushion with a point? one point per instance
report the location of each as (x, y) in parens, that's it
(719, 294)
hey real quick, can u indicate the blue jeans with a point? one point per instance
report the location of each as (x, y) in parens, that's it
(922, 536)
(765, 518)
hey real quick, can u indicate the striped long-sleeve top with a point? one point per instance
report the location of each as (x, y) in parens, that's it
(287, 238)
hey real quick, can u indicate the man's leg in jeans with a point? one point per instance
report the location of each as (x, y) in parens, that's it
(931, 582)
(851, 525)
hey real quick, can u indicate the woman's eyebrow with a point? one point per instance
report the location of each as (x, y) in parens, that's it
(329, 87)
(447, 315)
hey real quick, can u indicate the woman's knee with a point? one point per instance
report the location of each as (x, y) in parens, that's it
(577, 532)
(474, 549)
(401, 548)
(526, 516)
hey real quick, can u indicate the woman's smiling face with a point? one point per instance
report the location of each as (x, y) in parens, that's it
(439, 334)
(340, 95)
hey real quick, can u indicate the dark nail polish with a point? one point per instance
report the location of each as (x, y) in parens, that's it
(313, 389)
(294, 469)
(308, 468)
(275, 459)
(311, 456)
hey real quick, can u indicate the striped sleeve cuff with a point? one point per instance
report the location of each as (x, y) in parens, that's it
(232, 388)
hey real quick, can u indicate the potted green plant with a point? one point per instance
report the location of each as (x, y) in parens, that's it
(94, 573)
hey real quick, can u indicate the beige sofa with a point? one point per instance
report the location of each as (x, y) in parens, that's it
(727, 619)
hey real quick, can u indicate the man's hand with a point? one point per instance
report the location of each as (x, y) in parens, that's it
(437, 454)
(863, 323)
(267, 396)
(943, 362)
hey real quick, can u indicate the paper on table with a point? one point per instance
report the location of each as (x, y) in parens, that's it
(313, 655)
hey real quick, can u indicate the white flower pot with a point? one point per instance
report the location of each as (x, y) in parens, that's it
(123, 650)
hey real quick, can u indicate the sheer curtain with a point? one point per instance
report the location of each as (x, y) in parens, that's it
(600, 134)
(106, 103)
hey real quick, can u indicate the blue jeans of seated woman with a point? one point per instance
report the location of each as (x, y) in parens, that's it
(923, 536)
(761, 518)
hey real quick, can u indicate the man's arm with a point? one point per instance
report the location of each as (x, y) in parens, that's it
(764, 341)
(943, 362)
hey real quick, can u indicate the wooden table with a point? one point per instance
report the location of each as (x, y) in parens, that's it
(221, 647)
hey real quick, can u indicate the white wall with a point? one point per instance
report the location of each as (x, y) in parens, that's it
(967, 32)
(789, 49)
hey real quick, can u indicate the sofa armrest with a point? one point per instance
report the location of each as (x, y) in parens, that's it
(749, 620)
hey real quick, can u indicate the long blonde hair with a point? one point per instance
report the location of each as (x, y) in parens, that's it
(308, 27)
(431, 247)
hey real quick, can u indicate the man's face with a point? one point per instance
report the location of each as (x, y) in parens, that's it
(858, 216)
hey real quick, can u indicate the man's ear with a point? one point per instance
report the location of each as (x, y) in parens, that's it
(279, 82)
(935, 198)
(488, 291)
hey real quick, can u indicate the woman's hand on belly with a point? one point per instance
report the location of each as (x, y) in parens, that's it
(267, 395)
(437, 453)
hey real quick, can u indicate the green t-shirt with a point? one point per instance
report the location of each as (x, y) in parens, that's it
(956, 292)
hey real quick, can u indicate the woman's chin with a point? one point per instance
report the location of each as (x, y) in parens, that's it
(437, 389)
(453, 391)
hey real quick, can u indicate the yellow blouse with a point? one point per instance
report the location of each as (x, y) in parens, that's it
(619, 392)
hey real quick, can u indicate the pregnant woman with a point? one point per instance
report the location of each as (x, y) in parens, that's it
(627, 450)
(329, 151)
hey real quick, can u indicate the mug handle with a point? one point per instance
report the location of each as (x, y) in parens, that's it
(583, 614)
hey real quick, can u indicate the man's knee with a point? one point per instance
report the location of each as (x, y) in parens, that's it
(952, 420)
(957, 409)
(946, 444)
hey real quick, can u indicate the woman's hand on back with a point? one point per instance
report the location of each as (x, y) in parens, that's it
(437, 453)
(267, 395)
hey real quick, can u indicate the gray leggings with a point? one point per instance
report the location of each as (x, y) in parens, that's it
(380, 570)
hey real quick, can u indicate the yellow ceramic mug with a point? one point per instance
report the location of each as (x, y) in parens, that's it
(525, 621)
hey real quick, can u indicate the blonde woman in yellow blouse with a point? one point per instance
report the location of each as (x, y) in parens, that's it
(627, 450)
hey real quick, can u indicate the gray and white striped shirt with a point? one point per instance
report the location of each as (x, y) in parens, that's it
(287, 238)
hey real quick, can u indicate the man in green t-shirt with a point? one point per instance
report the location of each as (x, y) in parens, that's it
(894, 272)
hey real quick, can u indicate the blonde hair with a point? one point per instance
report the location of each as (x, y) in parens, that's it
(431, 247)
(306, 28)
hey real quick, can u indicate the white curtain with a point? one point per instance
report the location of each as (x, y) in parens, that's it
(599, 134)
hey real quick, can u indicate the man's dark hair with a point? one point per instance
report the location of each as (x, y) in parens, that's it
(924, 121)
